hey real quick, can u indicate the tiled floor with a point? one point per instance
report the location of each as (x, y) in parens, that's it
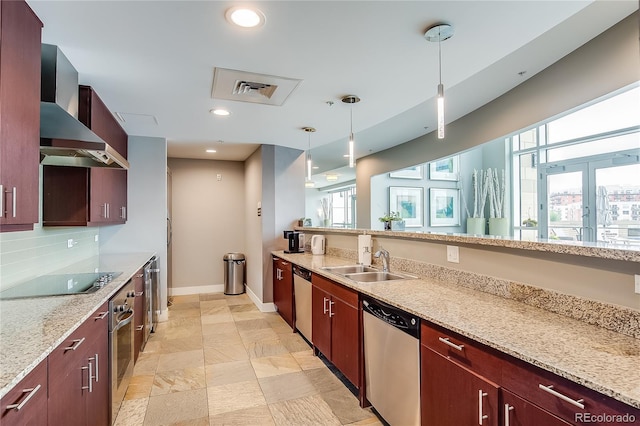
(220, 361)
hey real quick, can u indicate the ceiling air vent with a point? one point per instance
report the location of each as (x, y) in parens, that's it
(244, 86)
(254, 88)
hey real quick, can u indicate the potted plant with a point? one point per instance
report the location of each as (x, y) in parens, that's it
(392, 221)
(498, 222)
(530, 223)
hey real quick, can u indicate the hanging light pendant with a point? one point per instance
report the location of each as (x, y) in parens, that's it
(439, 33)
(351, 99)
(308, 182)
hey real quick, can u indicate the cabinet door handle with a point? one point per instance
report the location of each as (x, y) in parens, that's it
(140, 328)
(104, 210)
(481, 416)
(1, 200)
(284, 263)
(90, 377)
(108, 210)
(14, 202)
(578, 403)
(507, 413)
(94, 358)
(140, 294)
(123, 212)
(76, 345)
(331, 313)
(324, 305)
(446, 341)
(101, 315)
(30, 393)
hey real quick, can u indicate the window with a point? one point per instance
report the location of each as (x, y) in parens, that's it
(576, 177)
(343, 202)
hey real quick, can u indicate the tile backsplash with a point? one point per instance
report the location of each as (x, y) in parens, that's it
(28, 254)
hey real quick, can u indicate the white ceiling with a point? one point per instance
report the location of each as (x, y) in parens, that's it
(153, 62)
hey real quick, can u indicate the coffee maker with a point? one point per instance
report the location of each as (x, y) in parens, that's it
(294, 242)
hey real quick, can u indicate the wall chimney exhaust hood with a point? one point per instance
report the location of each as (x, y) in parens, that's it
(65, 141)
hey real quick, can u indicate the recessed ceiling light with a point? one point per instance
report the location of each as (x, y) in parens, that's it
(212, 151)
(220, 112)
(245, 17)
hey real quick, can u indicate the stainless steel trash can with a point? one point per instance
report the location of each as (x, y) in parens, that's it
(234, 268)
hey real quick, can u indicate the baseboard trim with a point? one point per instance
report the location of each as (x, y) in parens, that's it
(264, 307)
(201, 289)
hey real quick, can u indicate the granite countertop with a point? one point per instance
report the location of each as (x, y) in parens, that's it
(31, 328)
(594, 357)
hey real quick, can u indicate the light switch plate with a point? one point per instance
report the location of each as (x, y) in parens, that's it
(453, 254)
(70, 243)
(637, 278)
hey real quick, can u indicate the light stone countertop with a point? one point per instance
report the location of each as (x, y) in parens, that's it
(603, 250)
(594, 357)
(31, 328)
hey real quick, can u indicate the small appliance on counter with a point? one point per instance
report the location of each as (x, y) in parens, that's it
(294, 242)
(317, 244)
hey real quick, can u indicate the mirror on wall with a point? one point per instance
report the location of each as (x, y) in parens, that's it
(439, 196)
(571, 178)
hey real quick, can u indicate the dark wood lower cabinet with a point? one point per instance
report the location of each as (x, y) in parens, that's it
(335, 317)
(26, 403)
(520, 412)
(78, 375)
(455, 396)
(283, 289)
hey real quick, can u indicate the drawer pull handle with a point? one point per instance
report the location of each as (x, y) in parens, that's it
(324, 306)
(140, 328)
(140, 294)
(507, 409)
(331, 313)
(446, 341)
(90, 378)
(31, 392)
(101, 315)
(481, 416)
(76, 345)
(579, 403)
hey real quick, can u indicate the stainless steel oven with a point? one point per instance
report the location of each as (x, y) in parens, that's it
(121, 328)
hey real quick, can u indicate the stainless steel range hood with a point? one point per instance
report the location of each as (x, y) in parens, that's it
(65, 141)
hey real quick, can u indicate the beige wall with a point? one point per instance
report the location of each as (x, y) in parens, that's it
(606, 63)
(603, 280)
(208, 220)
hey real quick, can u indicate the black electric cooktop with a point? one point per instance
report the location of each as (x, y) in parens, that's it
(60, 285)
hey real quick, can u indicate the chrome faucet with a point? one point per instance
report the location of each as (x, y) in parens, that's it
(385, 258)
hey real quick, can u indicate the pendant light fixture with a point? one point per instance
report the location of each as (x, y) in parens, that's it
(308, 182)
(439, 33)
(351, 99)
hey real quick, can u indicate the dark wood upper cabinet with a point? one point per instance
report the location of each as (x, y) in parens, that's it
(20, 32)
(74, 196)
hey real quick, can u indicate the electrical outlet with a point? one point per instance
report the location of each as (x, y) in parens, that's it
(95, 238)
(637, 283)
(70, 243)
(453, 254)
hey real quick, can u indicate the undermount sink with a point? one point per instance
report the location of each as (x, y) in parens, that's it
(349, 269)
(369, 277)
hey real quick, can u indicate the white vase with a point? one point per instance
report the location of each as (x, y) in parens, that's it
(499, 226)
(476, 225)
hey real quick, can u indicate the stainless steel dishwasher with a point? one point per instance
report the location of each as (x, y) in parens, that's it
(392, 362)
(302, 297)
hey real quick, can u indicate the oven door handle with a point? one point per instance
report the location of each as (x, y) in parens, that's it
(128, 317)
